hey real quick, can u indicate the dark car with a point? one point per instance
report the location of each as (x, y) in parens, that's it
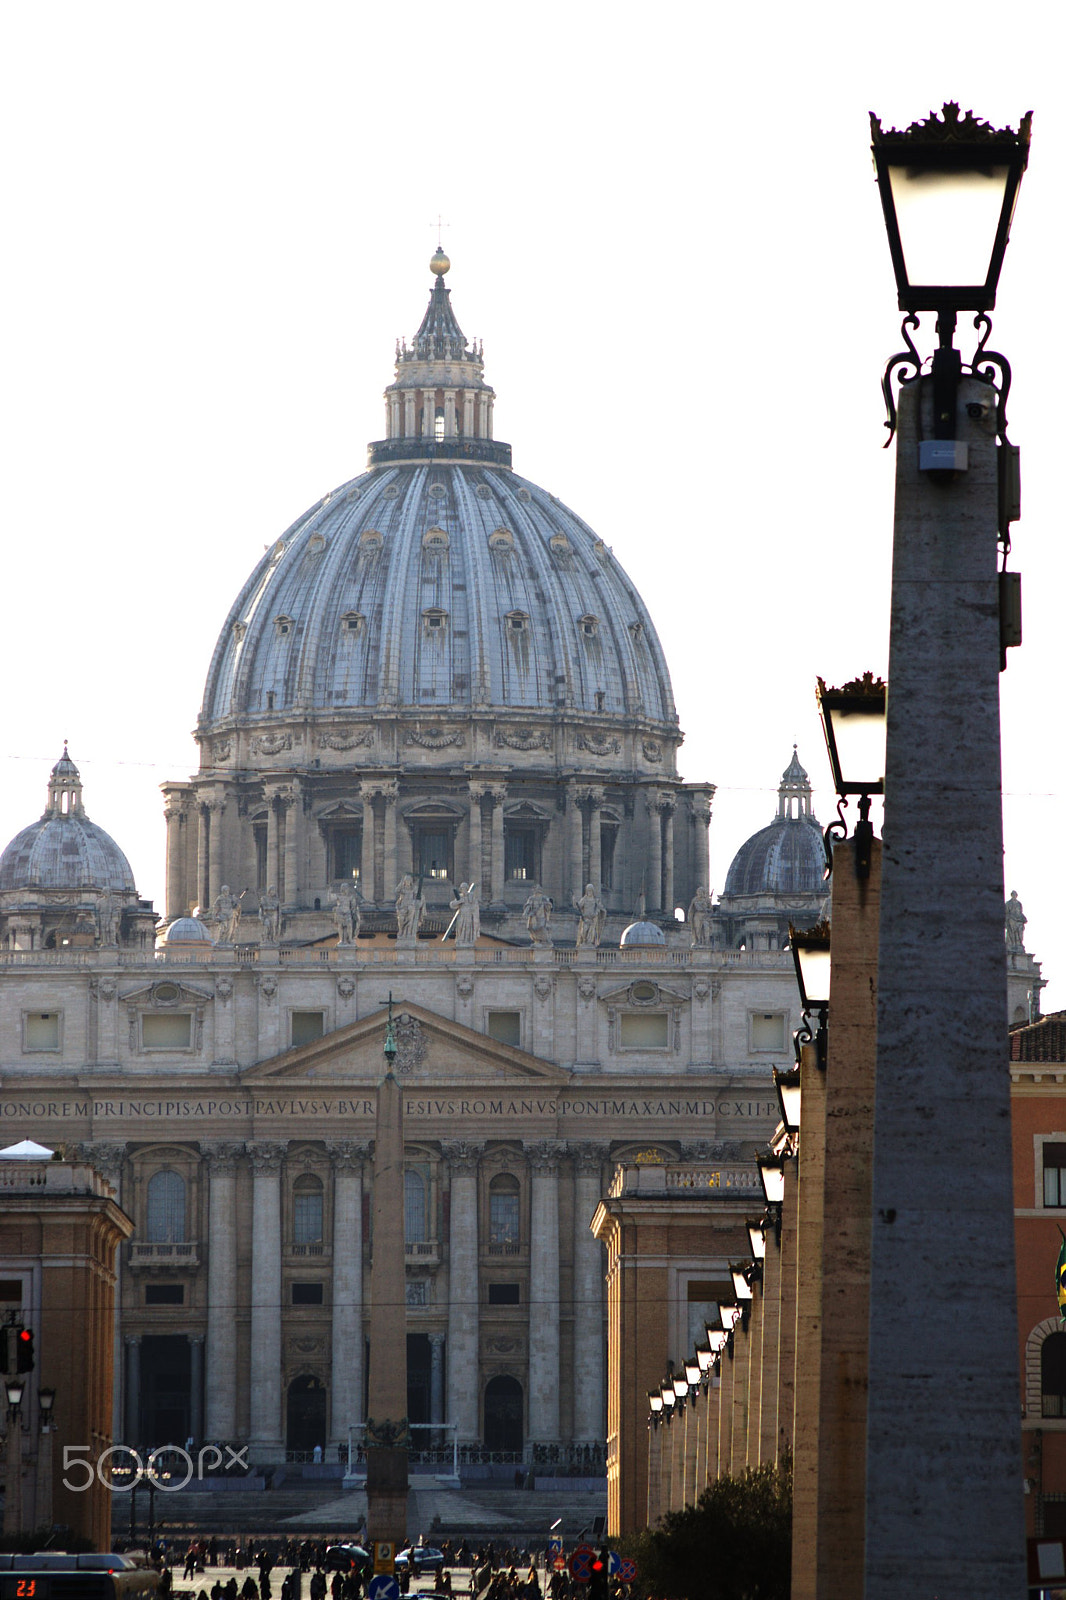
(348, 1558)
(420, 1558)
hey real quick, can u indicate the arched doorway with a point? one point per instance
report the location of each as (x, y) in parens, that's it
(305, 1415)
(503, 1415)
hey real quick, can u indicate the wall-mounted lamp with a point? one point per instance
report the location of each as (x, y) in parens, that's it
(811, 955)
(854, 722)
(789, 1097)
(772, 1178)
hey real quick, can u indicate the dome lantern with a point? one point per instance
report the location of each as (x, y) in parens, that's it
(64, 788)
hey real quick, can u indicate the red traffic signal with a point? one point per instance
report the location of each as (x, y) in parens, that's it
(597, 1565)
(24, 1350)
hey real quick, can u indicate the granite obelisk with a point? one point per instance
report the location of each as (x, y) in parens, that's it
(386, 1424)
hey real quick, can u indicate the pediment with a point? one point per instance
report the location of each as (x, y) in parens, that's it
(630, 994)
(432, 1050)
(165, 992)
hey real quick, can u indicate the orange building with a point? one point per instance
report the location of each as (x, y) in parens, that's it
(59, 1231)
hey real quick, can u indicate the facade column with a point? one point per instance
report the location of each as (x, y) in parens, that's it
(175, 818)
(468, 413)
(436, 1379)
(463, 1291)
(701, 860)
(544, 1292)
(265, 1441)
(497, 794)
(133, 1388)
(196, 1386)
(394, 416)
(409, 429)
(577, 852)
(475, 866)
(429, 412)
(273, 873)
(389, 797)
(346, 1380)
(109, 1159)
(588, 1297)
(215, 812)
(449, 413)
(667, 806)
(482, 430)
(220, 1389)
(596, 797)
(653, 883)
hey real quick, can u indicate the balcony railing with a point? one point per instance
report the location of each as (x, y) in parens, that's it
(316, 1249)
(422, 1252)
(183, 1254)
(501, 1247)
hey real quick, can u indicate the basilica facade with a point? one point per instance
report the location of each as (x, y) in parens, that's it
(438, 763)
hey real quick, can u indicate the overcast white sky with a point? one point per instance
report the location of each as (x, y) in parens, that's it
(663, 224)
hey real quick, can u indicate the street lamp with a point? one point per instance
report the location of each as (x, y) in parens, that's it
(655, 1400)
(854, 721)
(811, 955)
(757, 1236)
(15, 1388)
(948, 190)
(772, 1178)
(789, 1097)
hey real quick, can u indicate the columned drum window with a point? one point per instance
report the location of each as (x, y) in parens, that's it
(166, 1208)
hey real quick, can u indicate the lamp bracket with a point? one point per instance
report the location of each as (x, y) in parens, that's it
(907, 365)
(837, 829)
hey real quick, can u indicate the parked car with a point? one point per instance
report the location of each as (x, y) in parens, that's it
(348, 1558)
(420, 1558)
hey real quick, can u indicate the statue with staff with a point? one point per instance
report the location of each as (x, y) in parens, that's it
(226, 914)
(467, 918)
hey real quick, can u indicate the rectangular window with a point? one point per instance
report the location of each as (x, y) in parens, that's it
(164, 1294)
(506, 1026)
(1055, 1174)
(308, 1294)
(767, 1029)
(10, 1291)
(520, 853)
(167, 1030)
(307, 1217)
(643, 1030)
(433, 853)
(503, 1294)
(40, 1030)
(347, 853)
(307, 1026)
(608, 839)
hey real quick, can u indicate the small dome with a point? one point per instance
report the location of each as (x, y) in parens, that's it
(63, 849)
(641, 933)
(188, 930)
(788, 857)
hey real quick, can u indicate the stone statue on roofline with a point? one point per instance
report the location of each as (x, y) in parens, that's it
(591, 916)
(410, 909)
(537, 912)
(1014, 923)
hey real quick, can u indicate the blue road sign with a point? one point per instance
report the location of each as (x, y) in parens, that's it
(555, 1545)
(614, 1561)
(383, 1587)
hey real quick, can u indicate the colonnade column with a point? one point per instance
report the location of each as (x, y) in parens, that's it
(346, 1380)
(463, 1291)
(265, 1442)
(220, 1389)
(544, 1292)
(596, 797)
(475, 865)
(667, 806)
(497, 794)
(653, 884)
(577, 856)
(589, 1418)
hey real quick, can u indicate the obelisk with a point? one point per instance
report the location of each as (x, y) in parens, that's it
(386, 1424)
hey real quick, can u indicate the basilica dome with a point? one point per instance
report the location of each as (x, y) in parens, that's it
(439, 580)
(63, 850)
(788, 857)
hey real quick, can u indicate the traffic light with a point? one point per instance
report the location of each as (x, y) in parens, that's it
(598, 1577)
(23, 1349)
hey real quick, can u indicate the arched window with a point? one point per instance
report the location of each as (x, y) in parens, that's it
(414, 1207)
(1053, 1375)
(307, 1210)
(503, 1211)
(166, 1208)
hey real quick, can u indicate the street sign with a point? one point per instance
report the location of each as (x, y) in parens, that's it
(627, 1570)
(581, 1563)
(384, 1555)
(559, 1564)
(383, 1587)
(614, 1561)
(555, 1545)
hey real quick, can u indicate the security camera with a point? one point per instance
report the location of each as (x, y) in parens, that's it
(978, 408)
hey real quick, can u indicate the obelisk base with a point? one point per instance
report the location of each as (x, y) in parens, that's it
(386, 1494)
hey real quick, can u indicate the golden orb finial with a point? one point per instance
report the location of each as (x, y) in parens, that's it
(440, 262)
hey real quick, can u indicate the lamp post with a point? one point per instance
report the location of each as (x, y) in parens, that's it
(944, 1474)
(46, 1399)
(854, 724)
(14, 1388)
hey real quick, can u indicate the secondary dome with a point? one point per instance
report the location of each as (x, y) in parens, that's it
(188, 931)
(788, 857)
(438, 580)
(63, 849)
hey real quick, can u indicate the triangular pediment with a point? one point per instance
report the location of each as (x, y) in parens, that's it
(431, 1050)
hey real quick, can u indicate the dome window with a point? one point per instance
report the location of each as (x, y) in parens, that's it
(352, 622)
(434, 620)
(517, 621)
(437, 491)
(560, 544)
(316, 543)
(370, 538)
(501, 539)
(283, 625)
(239, 630)
(435, 539)
(524, 494)
(589, 625)
(637, 630)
